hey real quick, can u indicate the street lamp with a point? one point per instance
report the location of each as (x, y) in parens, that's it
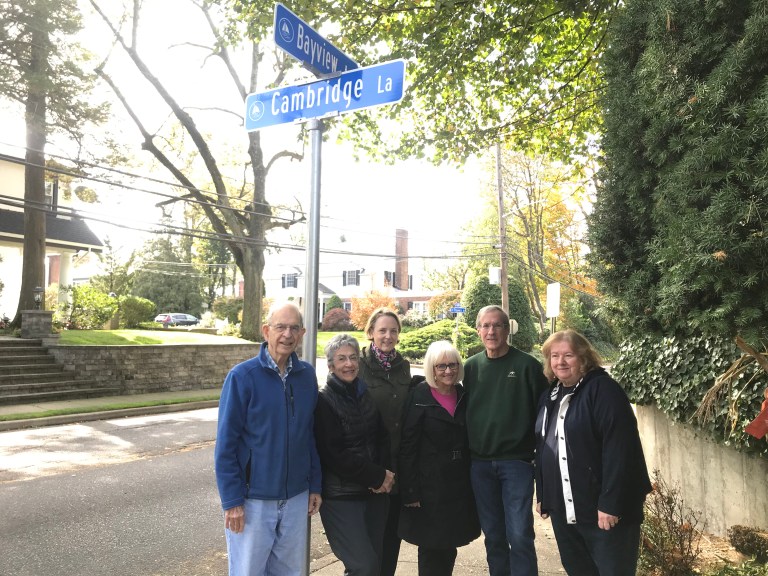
(39, 292)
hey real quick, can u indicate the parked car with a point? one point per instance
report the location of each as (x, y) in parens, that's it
(177, 319)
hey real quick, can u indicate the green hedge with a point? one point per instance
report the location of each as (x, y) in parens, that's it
(675, 372)
(414, 344)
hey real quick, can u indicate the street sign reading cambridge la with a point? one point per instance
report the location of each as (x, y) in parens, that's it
(352, 90)
(301, 41)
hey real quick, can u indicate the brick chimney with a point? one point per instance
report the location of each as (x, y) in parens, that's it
(401, 259)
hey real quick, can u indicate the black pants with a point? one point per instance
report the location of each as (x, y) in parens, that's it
(587, 550)
(436, 561)
(391, 546)
(354, 529)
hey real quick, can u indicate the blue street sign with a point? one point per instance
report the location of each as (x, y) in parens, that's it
(353, 90)
(298, 38)
(458, 309)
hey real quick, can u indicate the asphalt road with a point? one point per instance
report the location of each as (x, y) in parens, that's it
(126, 497)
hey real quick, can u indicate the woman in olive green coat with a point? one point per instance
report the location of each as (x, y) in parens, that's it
(388, 376)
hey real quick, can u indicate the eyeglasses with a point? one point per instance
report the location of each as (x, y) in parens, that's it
(489, 327)
(344, 359)
(292, 328)
(453, 366)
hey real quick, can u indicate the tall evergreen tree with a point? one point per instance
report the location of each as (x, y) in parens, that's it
(678, 233)
(43, 70)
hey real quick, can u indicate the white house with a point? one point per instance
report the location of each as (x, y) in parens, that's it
(349, 269)
(66, 234)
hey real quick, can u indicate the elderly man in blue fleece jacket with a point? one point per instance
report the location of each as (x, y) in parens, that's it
(267, 466)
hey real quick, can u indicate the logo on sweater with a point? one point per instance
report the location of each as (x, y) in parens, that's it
(511, 374)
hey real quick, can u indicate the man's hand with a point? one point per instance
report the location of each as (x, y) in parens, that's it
(234, 519)
(606, 521)
(413, 505)
(538, 511)
(314, 504)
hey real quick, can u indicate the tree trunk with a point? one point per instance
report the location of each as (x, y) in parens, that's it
(253, 292)
(33, 261)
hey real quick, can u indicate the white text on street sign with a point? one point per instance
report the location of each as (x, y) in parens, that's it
(353, 90)
(301, 41)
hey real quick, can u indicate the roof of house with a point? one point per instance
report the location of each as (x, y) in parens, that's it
(72, 233)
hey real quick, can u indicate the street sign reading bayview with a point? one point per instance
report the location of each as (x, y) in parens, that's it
(302, 42)
(353, 90)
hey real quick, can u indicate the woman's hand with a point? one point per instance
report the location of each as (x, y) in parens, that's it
(386, 486)
(538, 511)
(606, 521)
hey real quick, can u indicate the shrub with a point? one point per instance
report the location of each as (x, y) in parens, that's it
(135, 310)
(414, 344)
(670, 540)
(750, 541)
(89, 309)
(228, 307)
(748, 568)
(414, 319)
(333, 302)
(337, 320)
(440, 305)
(362, 308)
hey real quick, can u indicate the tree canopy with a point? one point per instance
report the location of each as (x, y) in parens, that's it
(678, 233)
(524, 72)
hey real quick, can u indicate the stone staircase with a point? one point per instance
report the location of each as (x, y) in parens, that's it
(29, 374)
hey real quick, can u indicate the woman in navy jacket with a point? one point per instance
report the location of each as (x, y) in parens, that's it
(591, 477)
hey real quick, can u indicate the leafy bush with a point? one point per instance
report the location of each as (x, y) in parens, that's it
(89, 309)
(228, 307)
(333, 302)
(362, 308)
(337, 320)
(135, 310)
(414, 344)
(670, 540)
(413, 319)
(748, 568)
(675, 372)
(480, 293)
(750, 541)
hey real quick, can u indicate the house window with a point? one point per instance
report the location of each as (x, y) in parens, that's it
(420, 307)
(290, 280)
(347, 306)
(351, 278)
(389, 279)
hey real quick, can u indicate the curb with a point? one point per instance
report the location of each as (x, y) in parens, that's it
(104, 415)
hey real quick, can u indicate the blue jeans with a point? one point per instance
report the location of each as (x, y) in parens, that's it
(586, 550)
(274, 540)
(504, 496)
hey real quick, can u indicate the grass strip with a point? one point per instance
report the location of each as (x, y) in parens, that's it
(103, 408)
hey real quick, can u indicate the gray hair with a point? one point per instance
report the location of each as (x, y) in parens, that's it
(436, 351)
(281, 305)
(338, 342)
(491, 308)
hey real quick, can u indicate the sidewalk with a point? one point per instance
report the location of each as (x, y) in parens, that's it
(470, 560)
(89, 409)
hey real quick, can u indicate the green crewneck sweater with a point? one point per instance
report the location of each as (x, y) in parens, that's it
(503, 394)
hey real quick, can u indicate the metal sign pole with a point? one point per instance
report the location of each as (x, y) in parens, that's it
(313, 245)
(309, 344)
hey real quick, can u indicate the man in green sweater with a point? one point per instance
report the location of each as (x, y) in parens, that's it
(503, 387)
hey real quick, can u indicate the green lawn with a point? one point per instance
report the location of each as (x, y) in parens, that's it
(141, 338)
(155, 337)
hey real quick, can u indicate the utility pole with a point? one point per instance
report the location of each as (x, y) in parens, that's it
(502, 234)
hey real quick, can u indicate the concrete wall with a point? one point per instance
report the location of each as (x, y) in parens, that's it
(728, 487)
(141, 369)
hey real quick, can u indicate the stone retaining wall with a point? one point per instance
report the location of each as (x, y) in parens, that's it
(142, 369)
(727, 486)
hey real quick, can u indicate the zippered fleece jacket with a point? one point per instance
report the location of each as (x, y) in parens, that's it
(265, 446)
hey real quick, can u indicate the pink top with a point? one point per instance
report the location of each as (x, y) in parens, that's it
(446, 401)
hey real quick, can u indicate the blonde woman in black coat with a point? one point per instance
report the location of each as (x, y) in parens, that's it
(439, 507)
